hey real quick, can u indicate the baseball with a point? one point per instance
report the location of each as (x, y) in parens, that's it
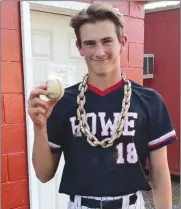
(55, 89)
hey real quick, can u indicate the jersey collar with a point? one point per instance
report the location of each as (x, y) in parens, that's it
(106, 91)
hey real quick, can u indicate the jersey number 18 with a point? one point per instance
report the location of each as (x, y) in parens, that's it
(131, 154)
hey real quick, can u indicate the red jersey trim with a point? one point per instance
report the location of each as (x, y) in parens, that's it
(106, 91)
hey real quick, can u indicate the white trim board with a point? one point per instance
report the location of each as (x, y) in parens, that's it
(161, 9)
(58, 7)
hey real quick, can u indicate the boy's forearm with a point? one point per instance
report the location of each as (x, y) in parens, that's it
(162, 192)
(42, 157)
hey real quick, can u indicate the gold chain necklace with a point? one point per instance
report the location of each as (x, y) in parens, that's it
(81, 114)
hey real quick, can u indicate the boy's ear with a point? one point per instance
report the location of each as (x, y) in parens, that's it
(77, 44)
(123, 40)
(79, 48)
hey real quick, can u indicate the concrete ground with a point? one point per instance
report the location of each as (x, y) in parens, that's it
(176, 196)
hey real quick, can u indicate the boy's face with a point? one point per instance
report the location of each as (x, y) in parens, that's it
(100, 47)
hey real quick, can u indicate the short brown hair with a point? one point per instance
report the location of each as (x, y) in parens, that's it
(97, 12)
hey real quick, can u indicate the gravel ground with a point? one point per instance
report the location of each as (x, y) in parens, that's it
(176, 197)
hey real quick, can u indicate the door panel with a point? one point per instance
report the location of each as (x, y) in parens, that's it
(54, 53)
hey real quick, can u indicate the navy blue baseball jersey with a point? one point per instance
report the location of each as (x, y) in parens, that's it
(117, 170)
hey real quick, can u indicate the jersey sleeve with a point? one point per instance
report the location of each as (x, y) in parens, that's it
(56, 129)
(161, 128)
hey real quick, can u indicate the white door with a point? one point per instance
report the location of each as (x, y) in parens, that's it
(53, 49)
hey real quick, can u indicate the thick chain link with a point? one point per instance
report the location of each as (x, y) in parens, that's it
(81, 114)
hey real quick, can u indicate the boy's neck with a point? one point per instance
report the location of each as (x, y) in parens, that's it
(105, 81)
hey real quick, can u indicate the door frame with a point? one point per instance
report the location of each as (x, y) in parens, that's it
(56, 7)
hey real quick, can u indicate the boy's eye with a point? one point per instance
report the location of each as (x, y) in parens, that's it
(90, 43)
(107, 41)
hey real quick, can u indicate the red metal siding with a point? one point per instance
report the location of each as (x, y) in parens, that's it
(15, 193)
(162, 38)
